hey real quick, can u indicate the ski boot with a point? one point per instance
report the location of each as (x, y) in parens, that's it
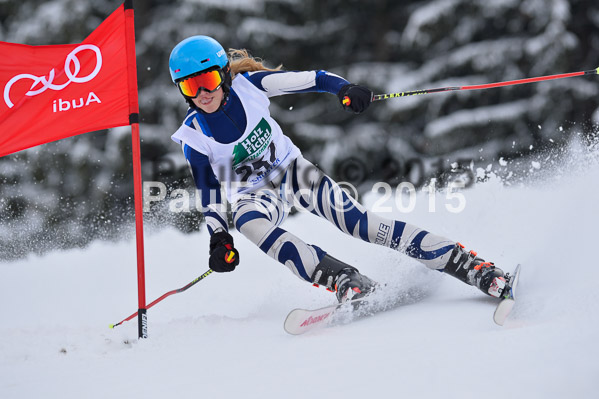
(469, 268)
(343, 279)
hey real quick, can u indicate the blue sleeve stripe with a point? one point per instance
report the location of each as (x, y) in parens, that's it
(203, 176)
(215, 215)
(195, 116)
(329, 83)
(205, 128)
(308, 90)
(324, 82)
(256, 77)
(189, 117)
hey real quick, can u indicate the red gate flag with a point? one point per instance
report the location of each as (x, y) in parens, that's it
(52, 92)
(48, 93)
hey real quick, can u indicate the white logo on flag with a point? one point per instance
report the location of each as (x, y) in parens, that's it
(71, 60)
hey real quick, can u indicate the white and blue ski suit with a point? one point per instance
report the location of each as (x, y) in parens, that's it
(264, 174)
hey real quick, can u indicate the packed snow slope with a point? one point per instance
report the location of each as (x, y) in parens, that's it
(223, 338)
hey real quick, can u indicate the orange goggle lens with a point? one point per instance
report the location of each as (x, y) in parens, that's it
(209, 81)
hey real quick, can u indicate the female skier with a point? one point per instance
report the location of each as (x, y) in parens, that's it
(228, 137)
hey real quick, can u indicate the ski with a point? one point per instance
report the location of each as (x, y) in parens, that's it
(300, 321)
(506, 305)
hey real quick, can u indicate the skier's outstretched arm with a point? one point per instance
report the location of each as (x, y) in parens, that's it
(352, 97)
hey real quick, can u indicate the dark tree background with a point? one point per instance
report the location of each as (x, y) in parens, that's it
(68, 193)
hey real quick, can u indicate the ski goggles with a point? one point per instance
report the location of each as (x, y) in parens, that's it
(209, 81)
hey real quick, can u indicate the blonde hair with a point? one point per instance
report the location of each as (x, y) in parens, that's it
(241, 61)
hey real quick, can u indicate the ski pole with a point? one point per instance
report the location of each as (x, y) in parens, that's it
(379, 97)
(166, 295)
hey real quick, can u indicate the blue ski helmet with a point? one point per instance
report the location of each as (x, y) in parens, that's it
(195, 54)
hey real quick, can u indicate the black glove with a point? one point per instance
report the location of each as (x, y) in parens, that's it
(355, 98)
(223, 255)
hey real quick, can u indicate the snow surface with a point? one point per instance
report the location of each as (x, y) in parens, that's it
(223, 338)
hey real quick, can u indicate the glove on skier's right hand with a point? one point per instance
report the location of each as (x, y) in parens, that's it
(223, 255)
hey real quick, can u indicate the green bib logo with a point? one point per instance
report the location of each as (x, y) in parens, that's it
(253, 145)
